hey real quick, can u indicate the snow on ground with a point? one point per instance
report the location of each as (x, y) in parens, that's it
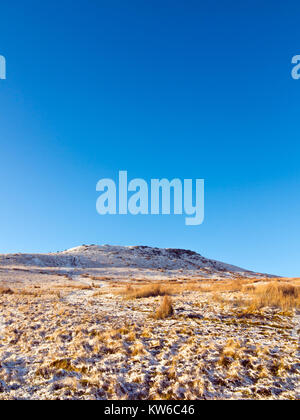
(75, 333)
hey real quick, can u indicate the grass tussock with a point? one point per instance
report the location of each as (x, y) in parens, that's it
(151, 290)
(6, 291)
(165, 309)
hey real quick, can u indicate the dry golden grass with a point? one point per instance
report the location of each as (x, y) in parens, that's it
(232, 286)
(137, 349)
(91, 344)
(205, 286)
(5, 291)
(151, 290)
(283, 296)
(165, 309)
(144, 289)
(75, 286)
(248, 293)
(35, 293)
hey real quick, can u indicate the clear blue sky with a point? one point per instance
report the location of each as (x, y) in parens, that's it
(184, 89)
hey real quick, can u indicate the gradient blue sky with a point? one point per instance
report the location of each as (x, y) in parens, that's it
(184, 89)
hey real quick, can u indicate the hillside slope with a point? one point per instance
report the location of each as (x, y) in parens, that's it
(135, 257)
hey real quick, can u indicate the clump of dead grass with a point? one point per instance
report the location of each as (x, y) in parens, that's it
(165, 309)
(6, 291)
(151, 290)
(229, 353)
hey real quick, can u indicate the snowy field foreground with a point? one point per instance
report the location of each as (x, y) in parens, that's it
(159, 325)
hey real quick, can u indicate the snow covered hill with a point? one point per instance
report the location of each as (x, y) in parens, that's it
(108, 258)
